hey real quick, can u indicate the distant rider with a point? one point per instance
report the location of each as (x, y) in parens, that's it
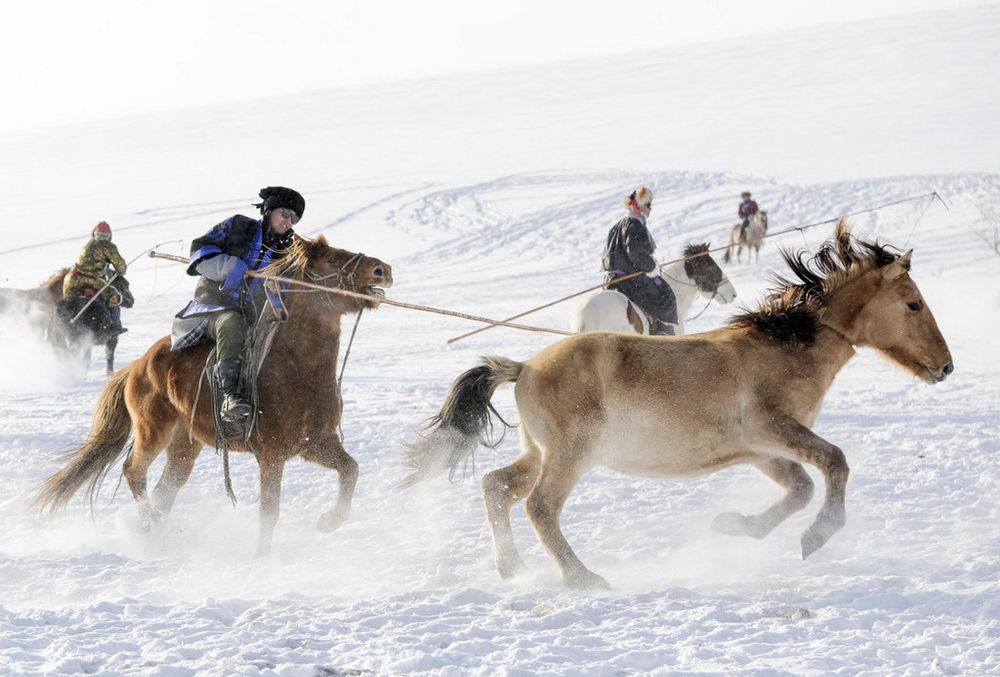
(93, 270)
(748, 208)
(630, 249)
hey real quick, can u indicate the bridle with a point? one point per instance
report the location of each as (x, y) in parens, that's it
(345, 276)
(715, 293)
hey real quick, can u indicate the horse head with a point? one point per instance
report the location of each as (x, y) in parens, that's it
(121, 285)
(317, 262)
(864, 292)
(897, 322)
(706, 274)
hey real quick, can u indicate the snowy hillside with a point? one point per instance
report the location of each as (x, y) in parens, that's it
(488, 194)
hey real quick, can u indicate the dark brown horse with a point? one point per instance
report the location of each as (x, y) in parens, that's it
(298, 401)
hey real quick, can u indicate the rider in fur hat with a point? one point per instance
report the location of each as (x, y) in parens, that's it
(222, 307)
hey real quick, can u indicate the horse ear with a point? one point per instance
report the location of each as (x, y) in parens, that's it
(317, 246)
(899, 267)
(904, 260)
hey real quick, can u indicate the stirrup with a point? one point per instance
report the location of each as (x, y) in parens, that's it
(234, 409)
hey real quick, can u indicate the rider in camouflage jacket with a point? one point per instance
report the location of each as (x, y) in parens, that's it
(93, 269)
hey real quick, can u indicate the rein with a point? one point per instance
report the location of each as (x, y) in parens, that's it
(767, 236)
(383, 300)
(707, 304)
(689, 284)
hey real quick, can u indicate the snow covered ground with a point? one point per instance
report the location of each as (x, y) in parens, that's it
(490, 193)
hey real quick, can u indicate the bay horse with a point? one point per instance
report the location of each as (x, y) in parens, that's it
(754, 237)
(696, 275)
(666, 406)
(153, 400)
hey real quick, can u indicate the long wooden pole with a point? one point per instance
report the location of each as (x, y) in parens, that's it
(379, 299)
(776, 233)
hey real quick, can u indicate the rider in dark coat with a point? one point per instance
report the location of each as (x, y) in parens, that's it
(748, 208)
(223, 306)
(630, 249)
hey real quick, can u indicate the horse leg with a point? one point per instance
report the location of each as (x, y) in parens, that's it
(109, 354)
(798, 492)
(182, 452)
(271, 470)
(501, 490)
(331, 454)
(806, 446)
(151, 435)
(559, 473)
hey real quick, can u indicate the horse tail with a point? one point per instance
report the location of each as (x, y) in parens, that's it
(89, 464)
(729, 254)
(463, 422)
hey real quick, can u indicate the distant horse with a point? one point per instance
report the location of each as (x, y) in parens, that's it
(155, 400)
(51, 316)
(698, 274)
(754, 237)
(667, 406)
(44, 297)
(79, 324)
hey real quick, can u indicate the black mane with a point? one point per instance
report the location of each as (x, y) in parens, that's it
(695, 249)
(789, 312)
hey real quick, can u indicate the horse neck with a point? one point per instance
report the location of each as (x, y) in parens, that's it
(685, 290)
(313, 328)
(834, 343)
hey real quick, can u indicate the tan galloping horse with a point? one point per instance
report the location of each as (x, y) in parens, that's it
(689, 405)
(299, 403)
(754, 237)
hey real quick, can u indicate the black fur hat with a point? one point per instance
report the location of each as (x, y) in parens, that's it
(276, 197)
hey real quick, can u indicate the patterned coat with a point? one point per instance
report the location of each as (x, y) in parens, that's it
(92, 271)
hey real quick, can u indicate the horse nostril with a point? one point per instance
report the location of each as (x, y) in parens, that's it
(378, 273)
(948, 368)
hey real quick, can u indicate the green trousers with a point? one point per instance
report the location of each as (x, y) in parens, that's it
(227, 329)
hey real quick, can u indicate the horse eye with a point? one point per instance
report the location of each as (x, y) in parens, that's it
(914, 306)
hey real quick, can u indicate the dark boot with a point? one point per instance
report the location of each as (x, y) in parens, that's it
(116, 327)
(235, 408)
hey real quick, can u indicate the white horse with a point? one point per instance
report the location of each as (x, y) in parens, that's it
(697, 275)
(751, 239)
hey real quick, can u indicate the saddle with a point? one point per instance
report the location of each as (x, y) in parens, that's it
(656, 327)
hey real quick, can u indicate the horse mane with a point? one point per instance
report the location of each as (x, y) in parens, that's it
(54, 284)
(790, 311)
(296, 258)
(695, 249)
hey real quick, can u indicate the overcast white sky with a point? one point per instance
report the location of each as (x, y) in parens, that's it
(67, 62)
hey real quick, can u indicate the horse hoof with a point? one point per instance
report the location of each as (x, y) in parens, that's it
(587, 580)
(149, 517)
(330, 521)
(509, 567)
(811, 542)
(731, 524)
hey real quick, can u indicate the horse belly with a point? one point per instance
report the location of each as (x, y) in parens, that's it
(656, 446)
